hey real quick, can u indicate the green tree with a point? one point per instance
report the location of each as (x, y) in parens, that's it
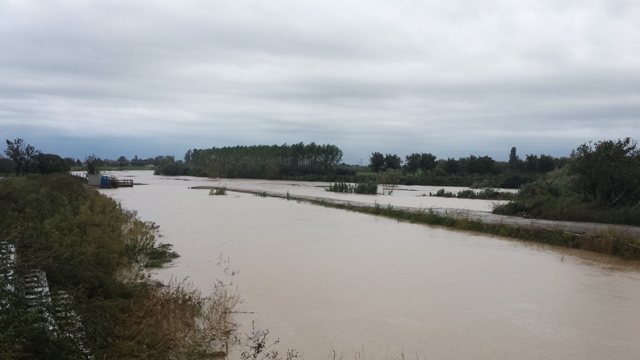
(21, 154)
(486, 165)
(608, 171)
(412, 163)
(450, 166)
(390, 177)
(427, 161)
(51, 163)
(531, 163)
(376, 162)
(515, 163)
(547, 163)
(542, 164)
(392, 161)
(92, 163)
(415, 162)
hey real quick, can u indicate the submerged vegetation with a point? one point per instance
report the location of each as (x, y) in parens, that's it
(73, 285)
(218, 191)
(486, 194)
(357, 188)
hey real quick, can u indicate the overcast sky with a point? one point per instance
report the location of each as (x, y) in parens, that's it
(453, 78)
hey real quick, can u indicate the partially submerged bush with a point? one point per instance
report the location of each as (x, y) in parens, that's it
(486, 194)
(369, 187)
(218, 191)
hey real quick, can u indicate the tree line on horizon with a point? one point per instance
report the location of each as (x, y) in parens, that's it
(22, 158)
(478, 171)
(323, 162)
(257, 161)
(423, 162)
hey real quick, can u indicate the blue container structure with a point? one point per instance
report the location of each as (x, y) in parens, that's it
(105, 181)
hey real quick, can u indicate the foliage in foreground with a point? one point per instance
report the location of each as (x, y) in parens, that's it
(93, 254)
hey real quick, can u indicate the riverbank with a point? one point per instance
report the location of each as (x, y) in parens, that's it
(74, 281)
(618, 240)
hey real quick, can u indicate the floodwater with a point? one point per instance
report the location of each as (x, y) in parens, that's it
(323, 279)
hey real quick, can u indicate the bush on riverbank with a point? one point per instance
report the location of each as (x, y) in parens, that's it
(600, 184)
(92, 255)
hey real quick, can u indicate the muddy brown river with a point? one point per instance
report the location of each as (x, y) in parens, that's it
(322, 279)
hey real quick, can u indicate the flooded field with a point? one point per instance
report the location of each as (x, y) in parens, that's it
(322, 279)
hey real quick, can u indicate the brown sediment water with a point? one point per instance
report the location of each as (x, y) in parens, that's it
(322, 279)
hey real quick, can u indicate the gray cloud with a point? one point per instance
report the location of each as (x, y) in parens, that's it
(452, 78)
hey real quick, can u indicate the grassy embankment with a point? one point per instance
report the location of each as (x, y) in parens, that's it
(93, 296)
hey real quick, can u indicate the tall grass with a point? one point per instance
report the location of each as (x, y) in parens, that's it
(175, 322)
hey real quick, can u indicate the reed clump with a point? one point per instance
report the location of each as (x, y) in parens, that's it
(369, 187)
(218, 191)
